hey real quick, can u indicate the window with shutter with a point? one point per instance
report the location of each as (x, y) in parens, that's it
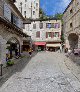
(38, 34)
(56, 34)
(41, 25)
(34, 26)
(49, 34)
(46, 34)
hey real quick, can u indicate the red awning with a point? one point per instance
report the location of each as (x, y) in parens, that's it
(40, 43)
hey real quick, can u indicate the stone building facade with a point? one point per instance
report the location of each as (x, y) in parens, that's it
(45, 34)
(28, 8)
(11, 33)
(71, 25)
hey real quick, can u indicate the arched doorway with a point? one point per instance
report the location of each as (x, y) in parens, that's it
(73, 40)
(13, 47)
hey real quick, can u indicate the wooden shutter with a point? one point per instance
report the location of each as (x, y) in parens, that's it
(38, 34)
(46, 34)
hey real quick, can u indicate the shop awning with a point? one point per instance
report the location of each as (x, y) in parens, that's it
(53, 45)
(40, 43)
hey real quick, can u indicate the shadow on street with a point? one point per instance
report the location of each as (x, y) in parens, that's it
(17, 67)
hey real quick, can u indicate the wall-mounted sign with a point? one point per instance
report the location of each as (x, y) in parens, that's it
(7, 12)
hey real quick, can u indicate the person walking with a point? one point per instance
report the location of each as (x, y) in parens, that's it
(30, 52)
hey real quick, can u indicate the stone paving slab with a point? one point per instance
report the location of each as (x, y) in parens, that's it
(46, 72)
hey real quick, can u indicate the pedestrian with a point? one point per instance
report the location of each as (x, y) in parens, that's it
(16, 51)
(30, 52)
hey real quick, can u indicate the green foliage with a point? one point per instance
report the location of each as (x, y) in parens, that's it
(59, 16)
(10, 63)
(42, 14)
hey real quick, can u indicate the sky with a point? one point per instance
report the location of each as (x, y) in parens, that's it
(51, 7)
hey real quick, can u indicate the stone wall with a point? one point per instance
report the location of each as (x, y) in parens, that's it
(71, 17)
(5, 35)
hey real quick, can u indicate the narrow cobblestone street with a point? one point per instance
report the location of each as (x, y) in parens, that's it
(45, 72)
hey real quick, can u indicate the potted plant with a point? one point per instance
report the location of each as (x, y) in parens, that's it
(10, 63)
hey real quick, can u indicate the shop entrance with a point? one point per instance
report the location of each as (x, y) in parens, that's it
(13, 48)
(41, 47)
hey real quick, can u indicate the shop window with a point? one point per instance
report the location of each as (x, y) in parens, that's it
(38, 34)
(56, 34)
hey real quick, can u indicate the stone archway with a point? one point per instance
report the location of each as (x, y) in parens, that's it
(13, 47)
(73, 40)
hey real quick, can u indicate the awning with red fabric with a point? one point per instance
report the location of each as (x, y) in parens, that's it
(40, 43)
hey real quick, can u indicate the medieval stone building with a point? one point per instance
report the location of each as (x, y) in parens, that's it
(11, 34)
(71, 26)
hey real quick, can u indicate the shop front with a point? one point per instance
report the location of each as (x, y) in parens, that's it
(53, 46)
(13, 48)
(40, 46)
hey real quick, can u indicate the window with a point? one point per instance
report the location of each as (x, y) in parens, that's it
(25, 14)
(56, 25)
(52, 25)
(14, 19)
(38, 34)
(71, 11)
(34, 26)
(48, 25)
(49, 34)
(36, 4)
(71, 25)
(33, 12)
(20, 3)
(56, 34)
(41, 25)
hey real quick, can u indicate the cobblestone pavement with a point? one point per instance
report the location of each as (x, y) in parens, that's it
(46, 72)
